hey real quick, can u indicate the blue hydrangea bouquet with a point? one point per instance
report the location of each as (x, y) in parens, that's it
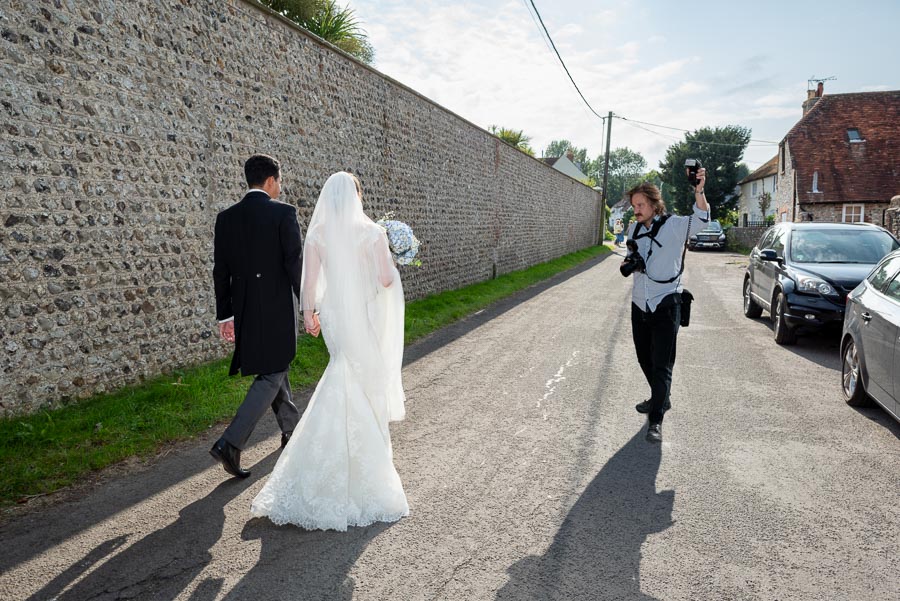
(403, 244)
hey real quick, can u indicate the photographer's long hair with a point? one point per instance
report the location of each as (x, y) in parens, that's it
(654, 196)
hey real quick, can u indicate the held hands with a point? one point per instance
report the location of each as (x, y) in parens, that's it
(226, 331)
(311, 323)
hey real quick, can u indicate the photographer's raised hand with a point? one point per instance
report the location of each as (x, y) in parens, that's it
(699, 194)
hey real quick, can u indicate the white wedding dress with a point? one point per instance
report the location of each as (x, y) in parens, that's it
(337, 469)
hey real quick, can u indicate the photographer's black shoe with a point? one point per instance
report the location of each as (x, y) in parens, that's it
(644, 406)
(654, 433)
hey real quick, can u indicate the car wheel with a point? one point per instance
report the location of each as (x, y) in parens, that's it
(751, 309)
(851, 378)
(783, 333)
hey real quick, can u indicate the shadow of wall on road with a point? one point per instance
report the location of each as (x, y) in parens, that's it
(597, 552)
(163, 563)
(448, 334)
(299, 564)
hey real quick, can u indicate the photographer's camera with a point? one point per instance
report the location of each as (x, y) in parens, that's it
(692, 166)
(633, 260)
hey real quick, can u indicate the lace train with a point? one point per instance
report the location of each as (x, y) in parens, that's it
(337, 470)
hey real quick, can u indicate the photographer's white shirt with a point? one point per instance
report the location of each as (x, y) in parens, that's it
(665, 261)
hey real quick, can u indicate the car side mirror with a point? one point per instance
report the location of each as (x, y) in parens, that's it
(769, 255)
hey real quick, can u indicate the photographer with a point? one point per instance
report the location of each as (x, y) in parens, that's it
(656, 260)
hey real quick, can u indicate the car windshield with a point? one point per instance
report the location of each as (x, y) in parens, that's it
(840, 246)
(713, 227)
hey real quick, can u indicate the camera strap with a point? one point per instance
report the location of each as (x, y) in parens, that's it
(651, 233)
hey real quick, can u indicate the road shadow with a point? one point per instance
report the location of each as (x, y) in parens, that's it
(82, 507)
(597, 552)
(163, 563)
(44, 528)
(881, 417)
(457, 329)
(300, 564)
(819, 346)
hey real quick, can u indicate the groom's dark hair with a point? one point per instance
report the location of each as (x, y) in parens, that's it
(259, 168)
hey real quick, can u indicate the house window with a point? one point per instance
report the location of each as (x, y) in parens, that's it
(753, 189)
(782, 158)
(815, 186)
(853, 135)
(853, 213)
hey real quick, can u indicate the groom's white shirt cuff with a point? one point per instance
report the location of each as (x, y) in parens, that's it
(226, 320)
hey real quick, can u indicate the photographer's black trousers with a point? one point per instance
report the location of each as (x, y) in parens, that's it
(655, 336)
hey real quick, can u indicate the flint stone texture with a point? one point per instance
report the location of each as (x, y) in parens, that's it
(125, 129)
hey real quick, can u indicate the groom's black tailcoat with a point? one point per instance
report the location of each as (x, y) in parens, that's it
(258, 257)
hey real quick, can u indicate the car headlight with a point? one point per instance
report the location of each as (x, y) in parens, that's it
(810, 284)
(693, 238)
(721, 237)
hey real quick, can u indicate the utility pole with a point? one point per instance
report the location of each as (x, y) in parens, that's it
(603, 194)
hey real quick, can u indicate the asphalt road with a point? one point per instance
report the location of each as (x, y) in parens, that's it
(529, 478)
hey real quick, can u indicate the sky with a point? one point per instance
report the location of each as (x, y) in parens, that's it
(680, 64)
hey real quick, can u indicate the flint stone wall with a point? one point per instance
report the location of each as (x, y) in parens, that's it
(746, 237)
(125, 126)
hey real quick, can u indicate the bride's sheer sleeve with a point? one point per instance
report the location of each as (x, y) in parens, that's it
(312, 271)
(384, 263)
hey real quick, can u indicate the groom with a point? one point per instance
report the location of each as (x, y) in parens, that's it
(257, 254)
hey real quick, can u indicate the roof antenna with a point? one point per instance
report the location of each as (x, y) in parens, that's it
(818, 80)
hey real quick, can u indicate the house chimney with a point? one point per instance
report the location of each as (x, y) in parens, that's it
(812, 97)
(570, 155)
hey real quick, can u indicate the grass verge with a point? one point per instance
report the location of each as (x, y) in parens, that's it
(49, 450)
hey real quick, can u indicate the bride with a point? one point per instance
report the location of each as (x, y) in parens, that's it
(337, 469)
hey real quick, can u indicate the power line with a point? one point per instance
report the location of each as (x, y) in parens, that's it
(544, 27)
(633, 123)
(760, 142)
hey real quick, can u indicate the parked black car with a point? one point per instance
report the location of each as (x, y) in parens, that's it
(870, 346)
(801, 273)
(712, 236)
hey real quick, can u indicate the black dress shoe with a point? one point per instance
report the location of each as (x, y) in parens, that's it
(230, 457)
(654, 433)
(285, 437)
(644, 406)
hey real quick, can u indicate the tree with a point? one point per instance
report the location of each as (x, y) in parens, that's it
(765, 201)
(626, 169)
(327, 20)
(558, 148)
(514, 137)
(720, 150)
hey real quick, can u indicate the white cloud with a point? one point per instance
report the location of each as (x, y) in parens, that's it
(488, 62)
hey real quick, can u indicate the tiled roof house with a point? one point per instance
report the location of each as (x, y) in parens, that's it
(841, 161)
(761, 181)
